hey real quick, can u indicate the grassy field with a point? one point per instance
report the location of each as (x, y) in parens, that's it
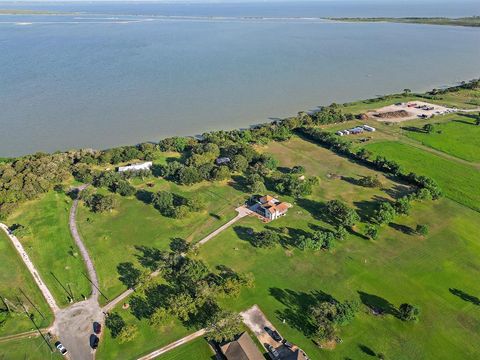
(197, 349)
(13, 277)
(456, 180)
(51, 247)
(31, 349)
(394, 269)
(112, 237)
(459, 137)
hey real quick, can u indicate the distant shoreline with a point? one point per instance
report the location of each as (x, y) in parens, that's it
(471, 21)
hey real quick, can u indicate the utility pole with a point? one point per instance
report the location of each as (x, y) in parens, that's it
(96, 287)
(31, 303)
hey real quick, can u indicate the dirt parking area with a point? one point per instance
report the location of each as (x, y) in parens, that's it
(411, 110)
(263, 330)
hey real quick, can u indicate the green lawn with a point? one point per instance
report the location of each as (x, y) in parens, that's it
(459, 137)
(112, 237)
(13, 277)
(197, 349)
(51, 247)
(397, 268)
(458, 181)
(32, 349)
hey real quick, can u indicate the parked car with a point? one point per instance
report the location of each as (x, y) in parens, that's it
(273, 333)
(287, 343)
(61, 348)
(97, 327)
(273, 351)
(94, 340)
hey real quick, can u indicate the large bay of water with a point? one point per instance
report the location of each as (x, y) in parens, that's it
(117, 74)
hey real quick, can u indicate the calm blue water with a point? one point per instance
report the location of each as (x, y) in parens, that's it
(125, 73)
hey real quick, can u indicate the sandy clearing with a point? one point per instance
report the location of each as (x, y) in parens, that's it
(413, 112)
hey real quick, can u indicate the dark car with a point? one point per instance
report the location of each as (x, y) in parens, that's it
(97, 327)
(287, 344)
(61, 348)
(273, 333)
(273, 351)
(94, 340)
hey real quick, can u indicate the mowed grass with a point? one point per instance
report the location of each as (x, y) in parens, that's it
(396, 268)
(112, 237)
(458, 181)
(197, 349)
(460, 138)
(51, 247)
(33, 348)
(13, 277)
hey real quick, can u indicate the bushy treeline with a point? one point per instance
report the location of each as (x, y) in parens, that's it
(174, 205)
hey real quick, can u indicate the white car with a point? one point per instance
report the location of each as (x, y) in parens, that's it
(61, 348)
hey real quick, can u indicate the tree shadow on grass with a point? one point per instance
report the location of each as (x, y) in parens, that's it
(407, 230)
(465, 297)
(238, 183)
(298, 305)
(144, 196)
(366, 350)
(398, 190)
(149, 257)
(377, 304)
(244, 233)
(413, 129)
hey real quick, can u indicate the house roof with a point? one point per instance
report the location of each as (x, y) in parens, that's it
(282, 207)
(266, 199)
(242, 348)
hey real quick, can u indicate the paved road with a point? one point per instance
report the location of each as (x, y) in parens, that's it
(36, 276)
(173, 345)
(242, 212)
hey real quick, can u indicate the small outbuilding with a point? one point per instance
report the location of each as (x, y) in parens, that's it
(136, 167)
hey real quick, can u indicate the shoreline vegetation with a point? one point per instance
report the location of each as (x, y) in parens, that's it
(471, 21)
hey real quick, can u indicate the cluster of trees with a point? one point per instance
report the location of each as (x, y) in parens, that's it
(189, 291)
(27, 177)
(175, 206)
(321, 239)
(98, 202)
(328, 315)
(293, 184)
(341, 214)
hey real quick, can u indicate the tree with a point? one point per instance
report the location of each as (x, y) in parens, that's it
(408, 312)
(224, 326)
(428, 128)
(266, 239)
(128, 333)
(179, 246)
(406, 91)
(372, 232)
(341, 213)
(402, 206)
(182, 305)
(422, 230)
(220, 173)
(129, 274)
(161, 317)
(385, 213)
(123, 188)
(238, 163)
(370, 181)
(115, 323)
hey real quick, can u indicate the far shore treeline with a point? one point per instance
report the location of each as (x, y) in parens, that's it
(26, 177)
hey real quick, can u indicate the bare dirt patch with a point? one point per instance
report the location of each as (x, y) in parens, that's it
(408, 111)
